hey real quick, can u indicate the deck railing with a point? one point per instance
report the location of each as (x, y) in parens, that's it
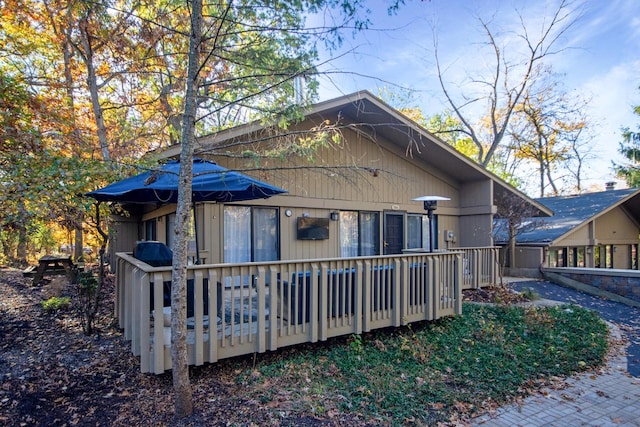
(236, 309)
(480, 267)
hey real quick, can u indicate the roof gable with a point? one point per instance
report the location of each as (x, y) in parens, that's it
(370, 115)
(570, 212)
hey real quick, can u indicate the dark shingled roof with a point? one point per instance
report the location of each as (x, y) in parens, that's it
(569, 213)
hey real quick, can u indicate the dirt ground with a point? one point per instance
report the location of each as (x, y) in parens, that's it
(51, 374)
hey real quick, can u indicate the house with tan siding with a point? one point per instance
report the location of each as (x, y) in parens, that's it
(590, 230)
(364, 185)
(347, 249)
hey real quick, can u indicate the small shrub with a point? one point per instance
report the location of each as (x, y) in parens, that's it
(530, 294)
(88, 283)
(89, 290)
(356, 343)
(54, 304)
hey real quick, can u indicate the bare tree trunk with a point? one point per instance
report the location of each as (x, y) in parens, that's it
(21, 252)
(79, 239)
(552, 183)
(541, 168)
(179, 364)
(512, 244)
(92, 83)
(67, 51)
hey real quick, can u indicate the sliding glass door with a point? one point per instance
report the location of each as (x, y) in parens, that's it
(250, 234)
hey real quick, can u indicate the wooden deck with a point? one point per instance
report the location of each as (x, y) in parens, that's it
(258, 307)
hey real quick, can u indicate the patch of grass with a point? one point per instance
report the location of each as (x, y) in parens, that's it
(434, 371)
(55, 304)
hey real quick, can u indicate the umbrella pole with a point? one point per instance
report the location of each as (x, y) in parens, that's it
(195, 231)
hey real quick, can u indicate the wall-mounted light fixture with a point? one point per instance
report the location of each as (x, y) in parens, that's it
(288, 212)
(334, 216)
(430, 203)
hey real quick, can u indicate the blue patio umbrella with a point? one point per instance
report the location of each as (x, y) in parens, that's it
(211, 183)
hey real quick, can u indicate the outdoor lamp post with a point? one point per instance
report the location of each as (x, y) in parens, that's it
(430, 204)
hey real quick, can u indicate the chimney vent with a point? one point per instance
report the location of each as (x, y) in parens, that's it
(611, 185)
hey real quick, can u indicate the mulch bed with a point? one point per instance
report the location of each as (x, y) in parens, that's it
(494, 294)
(51, 374)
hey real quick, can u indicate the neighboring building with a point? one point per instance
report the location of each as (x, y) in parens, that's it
(357, 193)
(593, 230)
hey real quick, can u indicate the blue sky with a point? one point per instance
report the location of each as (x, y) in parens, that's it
(600, 59)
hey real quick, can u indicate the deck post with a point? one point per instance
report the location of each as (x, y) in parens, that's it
(403, 286)
(141, 281)
(198, 313)
(434, 278)
(476, 269)
(397, 281)
(127, 293)
(261, 327)
(367, 283)
(457, 283)
(273, 307)
(323, 301)
(314, 319)
(121, 281)
(140, 343)
(213, 315)
(358, 276)
(429, 288)
(158, 322)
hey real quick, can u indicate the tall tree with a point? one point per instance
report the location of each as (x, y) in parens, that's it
(514, 216)
(510, 75)
(630, 149)
(242, 59)
(40, 181)
(179, 363)
(79, 59)
(548, 131)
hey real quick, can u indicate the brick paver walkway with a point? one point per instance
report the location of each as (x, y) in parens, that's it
(610, 397)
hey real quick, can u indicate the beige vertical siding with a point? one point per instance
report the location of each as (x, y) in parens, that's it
(528, 257)
(123, 236)
(578, 237)
(358, 170)
(364, 173)
(357, 174)
(616, 227)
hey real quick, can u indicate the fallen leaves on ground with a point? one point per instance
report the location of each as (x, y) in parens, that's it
(53, 375)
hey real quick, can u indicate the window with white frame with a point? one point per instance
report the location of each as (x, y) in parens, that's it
(170, 230)
(417, 231)
(170, 226)
(150, 229)
(359, 233)
(250, 234)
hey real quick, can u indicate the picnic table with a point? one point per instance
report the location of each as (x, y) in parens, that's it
(51, 264)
